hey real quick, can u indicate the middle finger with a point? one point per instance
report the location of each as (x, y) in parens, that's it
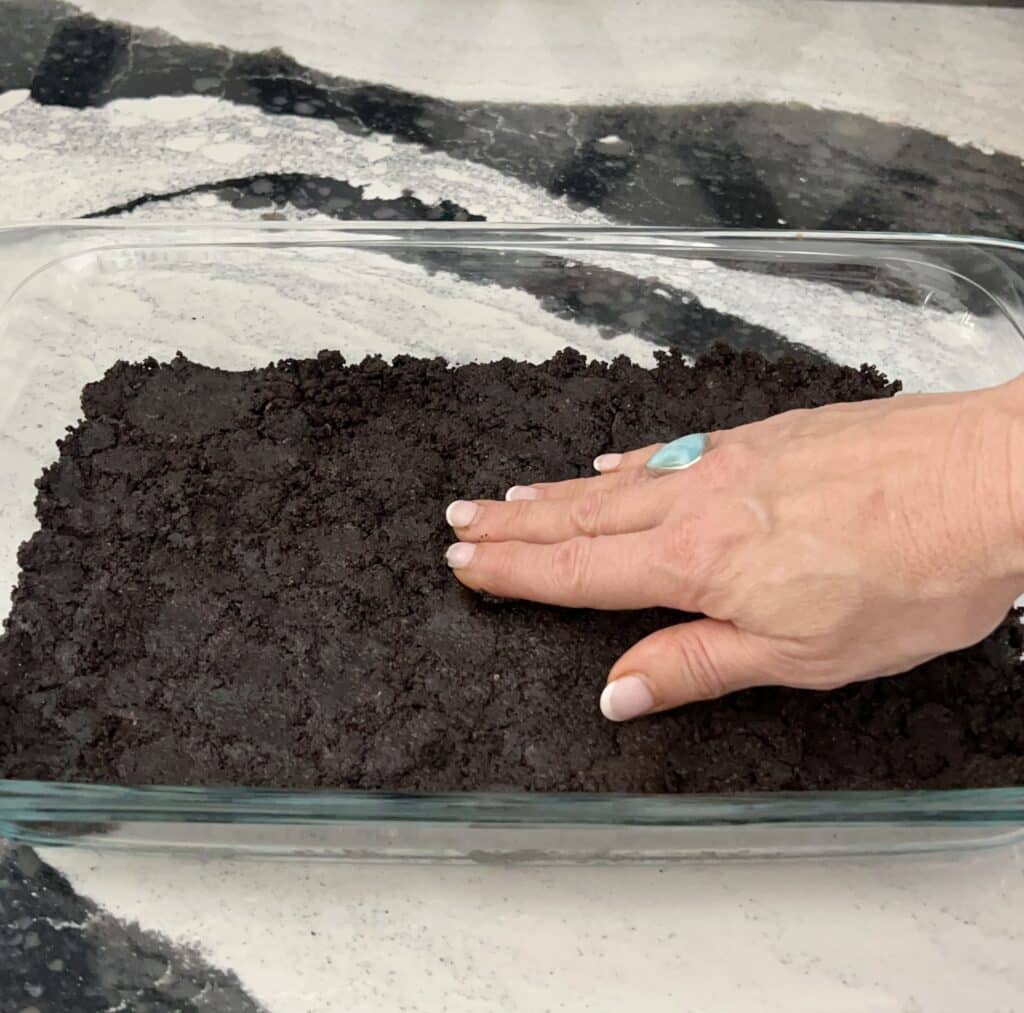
(547, 521)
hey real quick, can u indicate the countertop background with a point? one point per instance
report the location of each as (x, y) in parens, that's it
(798, 114)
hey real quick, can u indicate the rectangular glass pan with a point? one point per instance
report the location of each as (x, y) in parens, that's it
(940, 313)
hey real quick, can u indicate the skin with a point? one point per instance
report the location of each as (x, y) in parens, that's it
(823, 547)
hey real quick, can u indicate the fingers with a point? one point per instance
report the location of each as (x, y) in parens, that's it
(609, 463)
(612, 512)
(700, 660)
(611, 572)
(616, 470)
(571, 487)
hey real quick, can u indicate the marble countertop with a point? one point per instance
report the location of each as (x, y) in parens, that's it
(803, 114)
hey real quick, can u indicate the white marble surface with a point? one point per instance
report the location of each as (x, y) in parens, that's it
(947, 68)
(846, 936)
(936, 935)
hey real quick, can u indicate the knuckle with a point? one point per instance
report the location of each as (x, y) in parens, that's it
(696, 553)
(586, 513)
(570, 564)
(691, 547)
(698, 666)
(678, 543)
(519, 515)
(727, 463)
(636, 459)
(511, 520)
(634, 477)
(805, 664)
(500, 563)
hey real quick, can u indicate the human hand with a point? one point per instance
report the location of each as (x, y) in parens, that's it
(822, 547)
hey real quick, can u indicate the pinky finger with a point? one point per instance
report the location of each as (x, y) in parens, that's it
(631, 459)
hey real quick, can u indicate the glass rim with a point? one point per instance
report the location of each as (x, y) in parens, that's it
(25, 800)
(560, 233)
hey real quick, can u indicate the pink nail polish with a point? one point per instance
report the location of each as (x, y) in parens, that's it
(460, 554)
(461, 513)
(522, 492)
(607, 462)
(625, 698)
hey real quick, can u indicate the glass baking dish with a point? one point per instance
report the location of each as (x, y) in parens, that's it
(939, 313)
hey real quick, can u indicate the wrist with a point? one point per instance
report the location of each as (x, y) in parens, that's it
(1006, 405)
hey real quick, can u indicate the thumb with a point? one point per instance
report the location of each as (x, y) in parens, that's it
(682, 664)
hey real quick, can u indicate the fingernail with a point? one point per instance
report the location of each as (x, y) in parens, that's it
(607, 462)
(461, 513)
(627, 697)
(522, 492)
(679, 453)
(460, 554)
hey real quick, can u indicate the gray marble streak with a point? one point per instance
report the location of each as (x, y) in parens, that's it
(939, 934)
(60, 953)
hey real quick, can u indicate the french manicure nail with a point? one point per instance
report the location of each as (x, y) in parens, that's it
(461, 513)
(607, 462)
(522, 492)
(625, 698)
(460, 554)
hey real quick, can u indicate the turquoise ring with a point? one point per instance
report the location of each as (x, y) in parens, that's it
(678, 454)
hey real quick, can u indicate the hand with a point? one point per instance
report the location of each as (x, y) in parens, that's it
(823, 547)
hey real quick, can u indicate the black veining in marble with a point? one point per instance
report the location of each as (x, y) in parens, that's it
(25, 31)
(60, 953)
(337, 198)
(615, 302)
(81, 61)
(752, 164)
